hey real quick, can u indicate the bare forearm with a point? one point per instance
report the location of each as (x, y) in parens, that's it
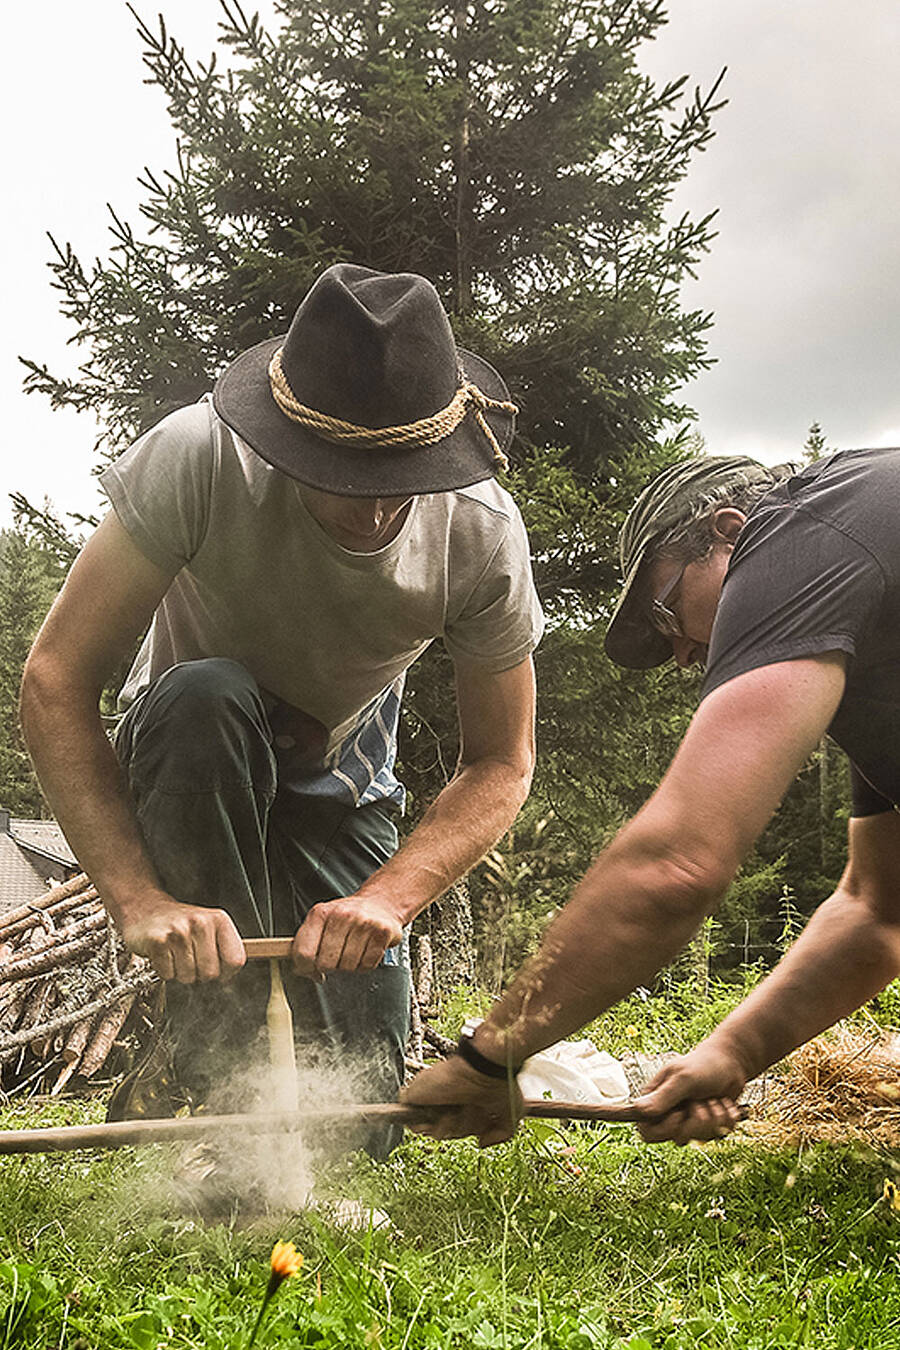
(844, 956)
(83, 783)
(463, 822)
(629, 917)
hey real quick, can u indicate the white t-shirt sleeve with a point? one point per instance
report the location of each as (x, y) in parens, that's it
(501, 621)
(160, 487)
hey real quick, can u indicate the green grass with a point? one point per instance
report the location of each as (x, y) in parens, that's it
(674, 1019)
(563, 1240)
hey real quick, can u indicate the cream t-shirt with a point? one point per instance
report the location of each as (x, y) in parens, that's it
(331, 632)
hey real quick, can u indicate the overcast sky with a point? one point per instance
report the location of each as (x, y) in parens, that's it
(805, 171)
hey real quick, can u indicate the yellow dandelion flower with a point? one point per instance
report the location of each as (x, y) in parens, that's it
(891, 1195)
(286, 1260)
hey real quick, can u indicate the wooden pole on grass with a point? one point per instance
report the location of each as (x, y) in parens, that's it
(121, 1133)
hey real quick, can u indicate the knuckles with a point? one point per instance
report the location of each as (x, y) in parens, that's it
(350, 914)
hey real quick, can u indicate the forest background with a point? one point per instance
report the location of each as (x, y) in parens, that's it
(513, 152)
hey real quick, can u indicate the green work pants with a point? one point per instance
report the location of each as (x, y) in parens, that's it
(228, 824)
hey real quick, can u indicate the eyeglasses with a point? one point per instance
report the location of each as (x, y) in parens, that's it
(663, 619)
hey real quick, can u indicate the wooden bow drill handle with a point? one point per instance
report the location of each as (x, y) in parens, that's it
(264, 949)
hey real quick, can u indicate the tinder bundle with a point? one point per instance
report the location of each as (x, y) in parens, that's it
(67, 987)
(844, 1084)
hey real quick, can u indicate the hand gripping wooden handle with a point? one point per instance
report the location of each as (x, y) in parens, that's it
(278, 949)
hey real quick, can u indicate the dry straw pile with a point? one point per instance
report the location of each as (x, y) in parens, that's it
(844, 1084)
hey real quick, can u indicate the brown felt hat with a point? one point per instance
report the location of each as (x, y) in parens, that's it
(368, 394)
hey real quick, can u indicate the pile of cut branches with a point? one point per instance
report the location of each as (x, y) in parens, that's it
(70, 992)
(67, 986)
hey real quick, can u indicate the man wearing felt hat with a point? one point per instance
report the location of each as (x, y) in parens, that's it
(786, 587)
(294, 543)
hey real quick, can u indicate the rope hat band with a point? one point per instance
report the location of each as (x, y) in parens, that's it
(425, 431)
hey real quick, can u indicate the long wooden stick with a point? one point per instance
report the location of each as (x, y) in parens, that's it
(54, 956)
(103, 1035)
(10, 929)
(57, 949)
(9, 1044)
(117, 1134)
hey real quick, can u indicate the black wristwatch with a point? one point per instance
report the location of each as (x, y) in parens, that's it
(465, 1048)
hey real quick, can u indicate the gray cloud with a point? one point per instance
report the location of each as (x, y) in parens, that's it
(805, 171)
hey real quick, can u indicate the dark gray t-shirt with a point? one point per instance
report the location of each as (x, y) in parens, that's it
(815, 569)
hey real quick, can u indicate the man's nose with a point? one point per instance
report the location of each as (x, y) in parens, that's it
(368, 513)
(687, 652)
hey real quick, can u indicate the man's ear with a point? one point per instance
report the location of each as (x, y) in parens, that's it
(727, 524)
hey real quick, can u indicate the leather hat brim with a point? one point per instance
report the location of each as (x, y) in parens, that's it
(243, 399)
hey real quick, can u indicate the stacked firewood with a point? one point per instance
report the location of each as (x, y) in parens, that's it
(68, 989)
(67, 986)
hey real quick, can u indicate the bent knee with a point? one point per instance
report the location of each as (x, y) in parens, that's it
(210, 679)
(200, 723)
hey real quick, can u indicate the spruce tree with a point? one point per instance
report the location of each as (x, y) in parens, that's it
(28, 581)
(512, 151)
